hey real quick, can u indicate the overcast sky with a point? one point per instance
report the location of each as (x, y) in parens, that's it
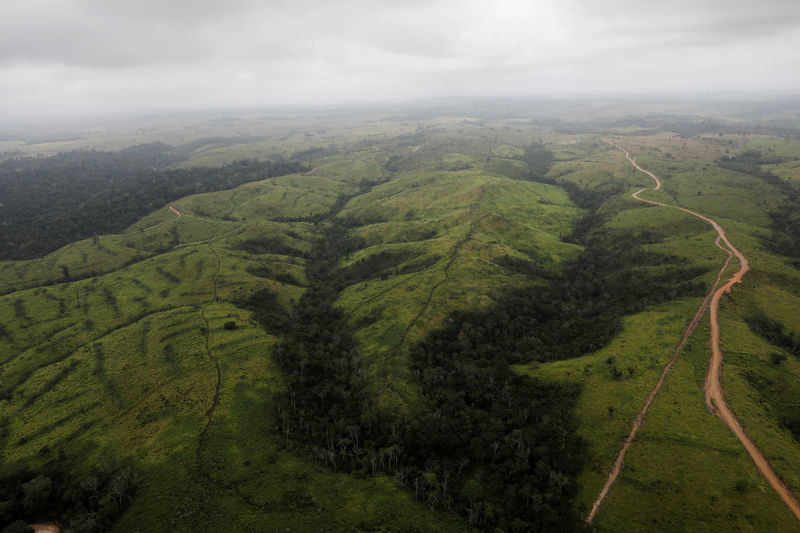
(75, 57)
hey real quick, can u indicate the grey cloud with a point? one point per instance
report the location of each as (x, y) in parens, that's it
(157, 53)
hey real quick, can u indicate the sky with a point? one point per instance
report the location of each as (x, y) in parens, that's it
(76, 58)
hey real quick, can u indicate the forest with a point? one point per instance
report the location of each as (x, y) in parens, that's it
(49, 202)
(90, 504)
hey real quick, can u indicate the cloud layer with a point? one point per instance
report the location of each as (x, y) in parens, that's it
(93, 56)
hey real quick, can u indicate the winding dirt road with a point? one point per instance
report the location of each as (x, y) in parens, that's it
(714, 395)
(175, 211)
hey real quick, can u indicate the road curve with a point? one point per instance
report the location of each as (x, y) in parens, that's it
(714, 395)
(175, 211)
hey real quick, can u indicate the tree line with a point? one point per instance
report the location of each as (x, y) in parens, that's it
(87, 504)
(50, 202)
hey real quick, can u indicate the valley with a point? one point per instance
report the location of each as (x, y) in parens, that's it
(407, 321)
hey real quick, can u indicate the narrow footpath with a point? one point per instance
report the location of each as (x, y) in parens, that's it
(714, 394)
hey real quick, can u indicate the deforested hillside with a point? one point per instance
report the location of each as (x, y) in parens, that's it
(444, 324)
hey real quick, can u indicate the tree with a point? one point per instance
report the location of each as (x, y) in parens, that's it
(36, 493)
(18, 526)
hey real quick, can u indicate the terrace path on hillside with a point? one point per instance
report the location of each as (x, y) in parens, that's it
(714, 395)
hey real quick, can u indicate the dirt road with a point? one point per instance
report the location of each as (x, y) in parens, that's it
(714, 395)
(175, 211)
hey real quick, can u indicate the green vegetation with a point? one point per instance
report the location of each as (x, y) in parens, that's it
(447, 325)
(49, 203)
(91, 504)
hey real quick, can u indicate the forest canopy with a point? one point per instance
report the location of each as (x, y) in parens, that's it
(50, 202)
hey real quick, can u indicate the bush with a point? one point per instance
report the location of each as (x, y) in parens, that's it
(777, 358)
(18, 526)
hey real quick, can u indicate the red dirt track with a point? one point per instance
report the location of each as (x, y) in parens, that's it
(714, 394)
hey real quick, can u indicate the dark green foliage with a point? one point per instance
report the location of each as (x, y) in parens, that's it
(418, 265)
(53, 381)
(539, 160)
(230, 325)
(742, 485)
(777, 358)
(52, 201)
(581, 308)
(505, 443)
(36, 492)
(382, 264)
(18, 526)
(590, 199)
(88, 504)
(110, 300)
(785, 237)
(749, 162)
(415, 139)
(792, 423)
(267, 244)
(314, 153)
(264, 271)
(321, 360)
(775, 332)
(267, 311)
(19, 310)
(785, 405)
(171, 357)
(216, 142)
(172, 278)
(524, 266)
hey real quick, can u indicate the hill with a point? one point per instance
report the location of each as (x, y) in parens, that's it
(436, 325)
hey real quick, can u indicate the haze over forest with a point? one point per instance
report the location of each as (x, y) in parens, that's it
(79, 58)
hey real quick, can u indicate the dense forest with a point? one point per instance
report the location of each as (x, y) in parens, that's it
(90, 503)
(49, 202)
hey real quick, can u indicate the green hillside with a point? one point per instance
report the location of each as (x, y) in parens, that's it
(439, 325)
